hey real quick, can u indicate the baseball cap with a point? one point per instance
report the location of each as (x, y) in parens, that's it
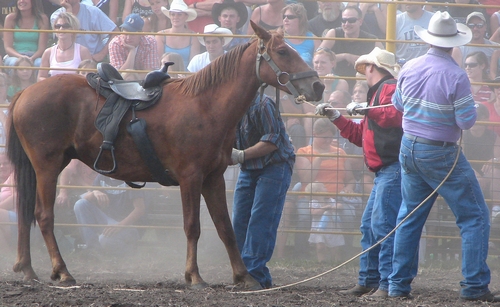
(133, 23)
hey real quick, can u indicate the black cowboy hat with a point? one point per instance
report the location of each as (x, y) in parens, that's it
(238, 6)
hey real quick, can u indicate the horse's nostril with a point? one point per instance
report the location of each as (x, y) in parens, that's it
(318, 88)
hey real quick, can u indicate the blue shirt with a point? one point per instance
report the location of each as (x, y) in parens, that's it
(262, 123)
(434, 94)
(305, 49)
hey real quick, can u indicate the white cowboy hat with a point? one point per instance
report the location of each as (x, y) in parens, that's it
(380, 58)
(444, 32)
(180, 6)
(215, 29)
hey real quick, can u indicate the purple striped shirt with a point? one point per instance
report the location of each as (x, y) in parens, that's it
(434, 94)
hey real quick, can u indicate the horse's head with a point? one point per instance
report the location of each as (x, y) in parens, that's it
(281, 66)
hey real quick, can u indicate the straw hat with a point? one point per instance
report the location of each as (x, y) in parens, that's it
(215, 29)
(180, 6)
(444, 32)
(239, 7)
(380, 58)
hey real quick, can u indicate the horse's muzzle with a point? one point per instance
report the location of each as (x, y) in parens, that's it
(318, 88)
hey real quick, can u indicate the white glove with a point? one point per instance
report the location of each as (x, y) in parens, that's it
(352, 108)
(327, 110)
(237, 156)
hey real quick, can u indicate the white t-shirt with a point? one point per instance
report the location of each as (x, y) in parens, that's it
(199, 61)
(405, 32)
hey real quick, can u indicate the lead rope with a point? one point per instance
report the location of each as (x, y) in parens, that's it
(374, 245)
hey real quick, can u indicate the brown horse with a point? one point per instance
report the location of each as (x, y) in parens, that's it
(192, 129)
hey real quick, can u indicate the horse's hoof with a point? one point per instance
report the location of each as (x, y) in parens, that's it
(253, 287)
(199, 286)
(68, 282)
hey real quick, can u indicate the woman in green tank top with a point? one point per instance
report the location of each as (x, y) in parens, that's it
(28, 15)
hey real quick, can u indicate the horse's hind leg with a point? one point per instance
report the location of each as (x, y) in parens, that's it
(44, 213)
(190, 193)
(23, 262)
(215, 197)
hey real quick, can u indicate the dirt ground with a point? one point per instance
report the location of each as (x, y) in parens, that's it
(152, 275)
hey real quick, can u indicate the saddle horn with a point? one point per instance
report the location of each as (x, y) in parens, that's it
(155, 77)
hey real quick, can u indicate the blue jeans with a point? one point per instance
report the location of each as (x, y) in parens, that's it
(259, 197)
(378, 219)
(423, 169)
(88, 213)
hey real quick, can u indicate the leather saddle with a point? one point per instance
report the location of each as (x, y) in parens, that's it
(121, 96)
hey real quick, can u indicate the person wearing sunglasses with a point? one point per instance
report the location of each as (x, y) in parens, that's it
(66, 53)
(476, 66)
(349, 51)
(295, 24)
(414, 15)
(477, 24)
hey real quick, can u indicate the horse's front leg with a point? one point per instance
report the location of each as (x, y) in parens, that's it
(215, 196)
(44, 214)
(23, 261)
(191, 194)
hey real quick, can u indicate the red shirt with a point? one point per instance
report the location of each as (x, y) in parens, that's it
(198, 25)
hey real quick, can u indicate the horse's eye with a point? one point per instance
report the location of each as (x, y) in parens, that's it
(282, 52)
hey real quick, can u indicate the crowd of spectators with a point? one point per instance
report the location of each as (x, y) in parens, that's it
(170, 23)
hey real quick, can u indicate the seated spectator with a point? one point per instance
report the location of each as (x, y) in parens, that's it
(28, 15)
(66, 53)
(477, 23)
(494, 105)
(348, 52)
(324, 62)
(187, 46)
(203, 10)
(87, 64)
(157, 21)
(360, 91)
(215, 47)
(233, 16)
(130, 51)
(4, 85)
(21, 77)
(324, 217)
(494, 22)
(8, 233)
(459, 13)
(414, 15)
(481, 144)
(268, 16)
(141, 7)
(328, 18)
(295, 24)
(108, 7)
(111, 207)
(495, 64)
(91, 19)
(6, 7)
(177, 60)
(374, 18)
(476, 67)
(333, 172)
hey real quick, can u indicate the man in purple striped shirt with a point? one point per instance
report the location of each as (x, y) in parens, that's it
(434, 95)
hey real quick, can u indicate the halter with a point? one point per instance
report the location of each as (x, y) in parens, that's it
(262, 54)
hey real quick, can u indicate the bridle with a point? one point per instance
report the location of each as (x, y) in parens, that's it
(262, 54)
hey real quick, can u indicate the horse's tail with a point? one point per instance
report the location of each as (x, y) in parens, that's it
(23, 171)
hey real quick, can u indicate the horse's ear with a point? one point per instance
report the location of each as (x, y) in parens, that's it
(260, 32)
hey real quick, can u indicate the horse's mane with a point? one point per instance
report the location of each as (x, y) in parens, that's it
(223, 69)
